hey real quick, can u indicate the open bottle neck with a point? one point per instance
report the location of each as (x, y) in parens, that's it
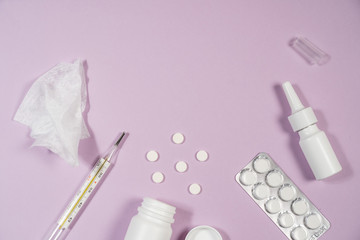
(155, 209)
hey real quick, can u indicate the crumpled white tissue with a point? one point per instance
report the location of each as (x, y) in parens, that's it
(53, 109)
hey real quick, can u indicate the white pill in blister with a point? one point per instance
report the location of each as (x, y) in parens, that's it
(299, 206)
(313, 221)
(202, 156)
(152, 156)
(287, 193)
(298, 233)
(274, 179)
(262, 165)
(247, 177)
(286, 220)
(157, 177)
(273, 206)
(261, 191)
(181, 166)
(178, 138)
(286, 205)
(194, 189)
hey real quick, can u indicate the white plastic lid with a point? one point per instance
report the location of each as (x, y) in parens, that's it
(203, 233)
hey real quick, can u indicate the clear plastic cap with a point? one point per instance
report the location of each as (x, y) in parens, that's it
(309, 51)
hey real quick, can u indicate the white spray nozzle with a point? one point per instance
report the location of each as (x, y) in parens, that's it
(292, 97)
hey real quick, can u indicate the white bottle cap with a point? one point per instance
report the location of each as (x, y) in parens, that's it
(313, 142)
(203, 232)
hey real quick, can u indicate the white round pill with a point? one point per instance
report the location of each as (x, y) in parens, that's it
(157, 177)
(298, 233)
(181, 166)
(300, 206)
(262, 165)
(273, 206)
(261, 191)
(274, 179)
(287, 193)
(286, 220)
(202, 156)
(194, 189)
(247, 177)
(152, 156)
(313, 221)
(178, 138)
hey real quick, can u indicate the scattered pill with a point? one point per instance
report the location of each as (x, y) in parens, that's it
(178, 138)
(152, 156)
(181, 166)
(313, 221)
(203, 233)
(194, 189)
(158, 177)
(287, 193)
(262, 165)
(299, 233)
(202, 156)
(273, 206)
(247, 177)
(286, 220)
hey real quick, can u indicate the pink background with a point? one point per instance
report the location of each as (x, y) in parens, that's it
(209, 69)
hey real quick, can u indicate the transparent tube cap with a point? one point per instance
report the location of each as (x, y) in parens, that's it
(309, 51)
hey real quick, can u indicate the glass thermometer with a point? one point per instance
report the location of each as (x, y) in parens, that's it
(80, 199)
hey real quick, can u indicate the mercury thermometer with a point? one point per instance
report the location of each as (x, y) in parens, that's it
(80, 199)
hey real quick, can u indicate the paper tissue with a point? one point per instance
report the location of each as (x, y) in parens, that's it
(53, 109)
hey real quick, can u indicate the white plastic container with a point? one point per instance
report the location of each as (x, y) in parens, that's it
(153, 221)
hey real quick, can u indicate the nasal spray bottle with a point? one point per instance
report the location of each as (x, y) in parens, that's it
(313, 142)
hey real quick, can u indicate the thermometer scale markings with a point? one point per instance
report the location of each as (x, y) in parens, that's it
(72, 211)
(99, 173)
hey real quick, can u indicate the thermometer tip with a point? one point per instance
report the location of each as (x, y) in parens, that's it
(119, 140)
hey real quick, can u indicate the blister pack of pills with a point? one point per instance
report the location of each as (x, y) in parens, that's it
(281, 199)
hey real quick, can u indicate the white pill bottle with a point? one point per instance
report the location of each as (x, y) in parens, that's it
(153, 221)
